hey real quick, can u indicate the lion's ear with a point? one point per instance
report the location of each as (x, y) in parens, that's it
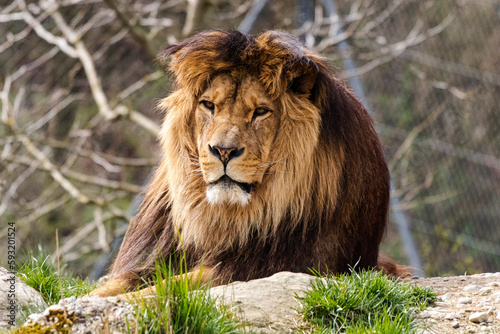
(303, 76)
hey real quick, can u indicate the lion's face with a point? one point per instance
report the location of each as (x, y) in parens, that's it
(236, 126)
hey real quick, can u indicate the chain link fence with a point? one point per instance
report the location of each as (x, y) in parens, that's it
(438, 115)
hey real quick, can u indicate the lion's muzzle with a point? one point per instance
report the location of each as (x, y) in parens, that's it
(226, 182)
(228, 190)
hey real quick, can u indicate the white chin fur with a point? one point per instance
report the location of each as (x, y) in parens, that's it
(220, 194)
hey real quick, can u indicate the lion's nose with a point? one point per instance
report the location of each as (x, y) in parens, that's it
(225, 153)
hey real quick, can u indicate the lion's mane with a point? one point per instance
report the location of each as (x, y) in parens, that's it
(323, 204)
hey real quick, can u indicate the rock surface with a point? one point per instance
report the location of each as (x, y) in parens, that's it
(86, 315)
(267, 305)
(25, 296)
(469, 304)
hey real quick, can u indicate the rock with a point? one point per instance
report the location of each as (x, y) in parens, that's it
(447, 296)
(269, 304)
(464, 300)
(422, 331)
(493, 284)
(71, 299)
(24, 297)
(451, 316)
(425, 314)
(455, 324)
(430, 313)
(55, 308)
(86, 315)
(478, 317)
(485, 291)
(78, 309)
(473, 287)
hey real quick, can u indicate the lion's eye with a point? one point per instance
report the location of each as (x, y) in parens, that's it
(209, 105)
(260, 112)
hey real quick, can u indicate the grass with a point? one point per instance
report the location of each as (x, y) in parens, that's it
(39, 273)
(181, 307)
(364, 302)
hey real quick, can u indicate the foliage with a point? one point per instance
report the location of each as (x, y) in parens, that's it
(39, 273)
(179, 309)
(364, 302)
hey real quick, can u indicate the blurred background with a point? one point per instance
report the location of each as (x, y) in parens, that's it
(78, 123)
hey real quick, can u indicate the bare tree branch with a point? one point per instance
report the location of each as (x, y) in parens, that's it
(60, 42)
(52, 113)
(415, 37)
(85, 178)
(101, 229)
(53, 170)
(38, 212)
(414, 133)
(136, 30)
(193, 16)
(16, 184)
(442, 85)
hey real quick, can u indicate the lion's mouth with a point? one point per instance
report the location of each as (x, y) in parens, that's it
(226, 181)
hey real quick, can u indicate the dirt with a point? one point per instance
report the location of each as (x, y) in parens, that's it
(461, 300)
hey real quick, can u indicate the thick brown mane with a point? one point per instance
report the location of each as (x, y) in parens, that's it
(323, 201)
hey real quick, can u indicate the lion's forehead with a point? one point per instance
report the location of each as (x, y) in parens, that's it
(236, 91)
(220, 89)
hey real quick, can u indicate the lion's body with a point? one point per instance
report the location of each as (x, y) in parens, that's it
(269, 164)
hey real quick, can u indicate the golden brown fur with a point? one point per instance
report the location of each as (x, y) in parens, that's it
(312, 186)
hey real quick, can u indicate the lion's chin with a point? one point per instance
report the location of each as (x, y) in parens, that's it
(226, 190)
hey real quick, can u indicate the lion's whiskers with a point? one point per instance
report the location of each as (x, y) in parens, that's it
(266, 164)
(195, 161)
(197, 171)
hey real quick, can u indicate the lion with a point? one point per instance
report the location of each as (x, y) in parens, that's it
(269, 164)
